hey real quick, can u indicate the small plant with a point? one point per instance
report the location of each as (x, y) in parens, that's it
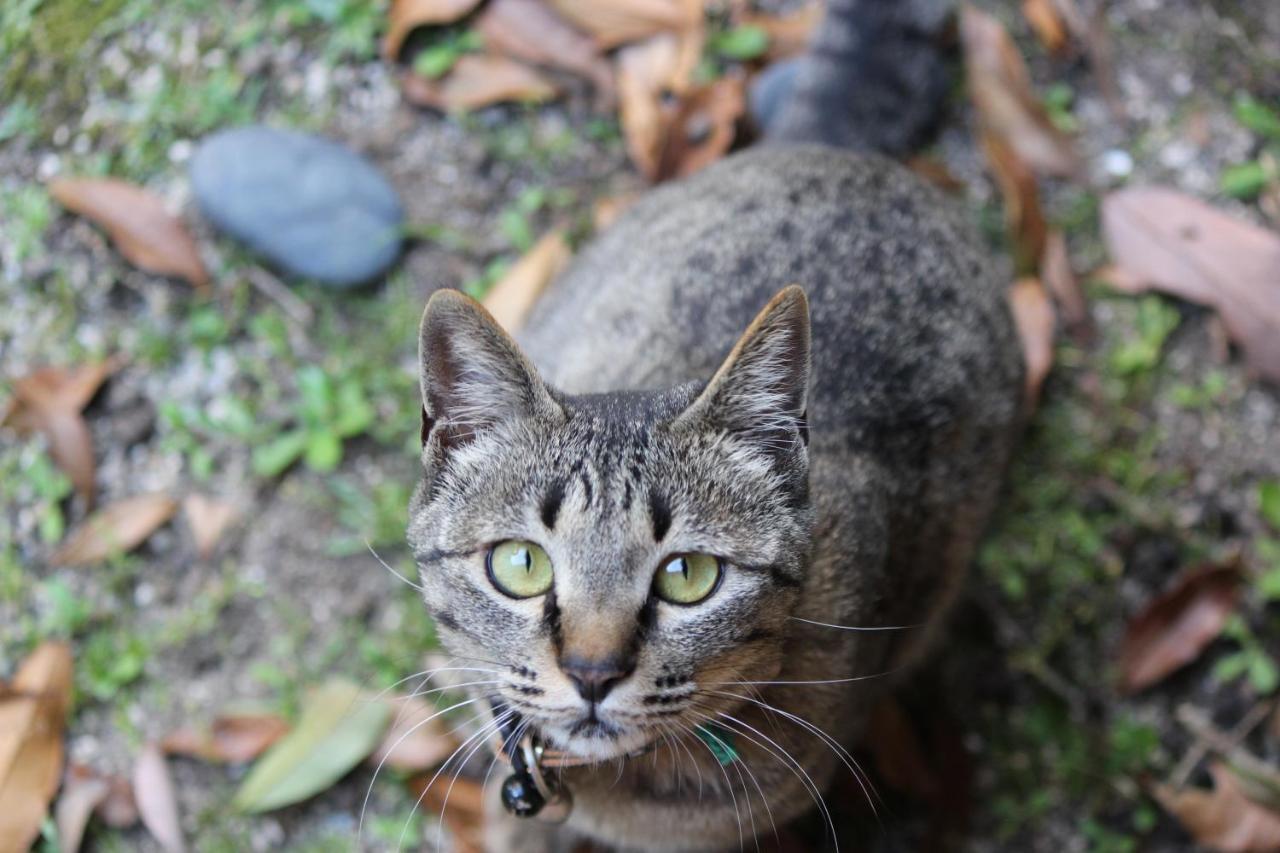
(1250, 179)
(1156, 321)
(1251, 660)
(327, 413)
(437, 58)
(109, 662)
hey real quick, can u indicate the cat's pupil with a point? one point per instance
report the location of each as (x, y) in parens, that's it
(524, 558)
(681, 565)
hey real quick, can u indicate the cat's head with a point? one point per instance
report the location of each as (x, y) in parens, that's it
(611, 564)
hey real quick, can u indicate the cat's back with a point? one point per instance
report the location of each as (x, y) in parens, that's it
(909, 317)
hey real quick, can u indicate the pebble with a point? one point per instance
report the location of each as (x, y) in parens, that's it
(310, 206)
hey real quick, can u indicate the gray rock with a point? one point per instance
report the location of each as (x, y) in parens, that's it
(310, 206)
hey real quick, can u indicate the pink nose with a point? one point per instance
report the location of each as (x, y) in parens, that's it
(594, 679)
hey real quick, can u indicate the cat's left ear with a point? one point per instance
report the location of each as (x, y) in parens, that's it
(473, 375)
(761, 389)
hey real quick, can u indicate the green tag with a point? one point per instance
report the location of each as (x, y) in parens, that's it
(720, 741)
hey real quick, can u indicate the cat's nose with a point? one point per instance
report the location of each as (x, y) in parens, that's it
(594, 679)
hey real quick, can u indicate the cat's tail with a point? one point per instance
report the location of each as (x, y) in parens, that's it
(875, 77)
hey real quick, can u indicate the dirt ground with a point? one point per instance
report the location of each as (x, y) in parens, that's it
(1145, 457)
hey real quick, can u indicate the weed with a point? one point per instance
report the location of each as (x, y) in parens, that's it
(1250, 660)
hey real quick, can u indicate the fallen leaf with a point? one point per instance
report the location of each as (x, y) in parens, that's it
(1007, 107)
(1024, 218)
(115, 529)
(1033, 318)
(119, 810)
(463, 813)
(653, 75)
(33, 714)
(898, 753)
(153, 788)
(339, 728)
(1164, 240)
(1222, 819)
(145, 233)
(477, 80)
(789, 32)
(209, 518)
(935, 172)
(607, 210)
(1064, 286)
(230, 738)
(49, 400)
(512, 297)
(1046, 22)
(702, 129)
(83, 791)
(407, 15)
(1174, 628)
(416, 740)
(528, 30)
(616, 22)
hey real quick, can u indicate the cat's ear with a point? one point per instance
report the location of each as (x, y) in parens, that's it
(761, 388)
(473, 375)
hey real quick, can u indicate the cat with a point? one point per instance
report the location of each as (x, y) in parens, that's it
(687, 555)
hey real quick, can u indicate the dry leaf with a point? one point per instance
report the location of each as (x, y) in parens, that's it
(83, 791)
(145, 233)
(1222, 819)
(1034, 320)
(153, 788)
(1001, 90)
(49, 400)
(1022, 213)
(119, 810)
(528, 30)
(1173, 629)
(230, 738)
(416, 740)
(1047, 23)
(463, 813)
(1064, 286)
(407, 15)
(645, 72)
(616, 22)
(209, 518)
(607, 210)
(789, 32)
(476, 81)
(32, 716)
(935, 172)
(702, 129)
(115, 529)
(512, 297)
(1164, 240)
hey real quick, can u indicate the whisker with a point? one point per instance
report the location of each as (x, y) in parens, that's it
(728, 785)
(394, 573)
(444, 807)
(855, 627)
(849, 680)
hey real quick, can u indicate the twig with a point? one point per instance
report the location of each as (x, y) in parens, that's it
(1209, 738)
(274, 289)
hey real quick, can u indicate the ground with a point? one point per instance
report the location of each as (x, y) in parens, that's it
(1146, 455)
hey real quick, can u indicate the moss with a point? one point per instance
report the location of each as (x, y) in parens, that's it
(45, 41)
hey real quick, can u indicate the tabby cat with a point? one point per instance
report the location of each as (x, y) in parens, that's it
(662, 545)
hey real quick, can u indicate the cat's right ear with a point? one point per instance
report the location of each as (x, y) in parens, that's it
(473, 374)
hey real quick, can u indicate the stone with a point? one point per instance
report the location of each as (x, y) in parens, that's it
(310, 206)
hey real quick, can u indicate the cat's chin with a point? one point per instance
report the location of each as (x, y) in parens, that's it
(597, 742)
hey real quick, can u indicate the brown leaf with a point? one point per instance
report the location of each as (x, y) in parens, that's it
(1046, 22)
(1023, 216)
(1034, 319)
(230, 738)
(49, 400)
(144, 232)
(528, 30)
(645, 74)
(935, 172)
(115, 529)
(702, 129)
(417, 739)
(463, 813)
(607, 210)
(407, 15)
(1001, 90)
(153, 788)
(33, 714)
(1062, 284)
(789, 32)
(209, 518)
(512, 297)
(1174, 628)
(119, 810)
(1176, 244)
(615, 22)
(475, 81)
(899, 756)
(83, 791)
(1222, 819)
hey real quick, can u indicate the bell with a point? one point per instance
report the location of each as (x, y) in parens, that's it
(529, 793)
(521, 797)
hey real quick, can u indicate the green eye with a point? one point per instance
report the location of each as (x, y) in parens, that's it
(519, 569)
(687, 578)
